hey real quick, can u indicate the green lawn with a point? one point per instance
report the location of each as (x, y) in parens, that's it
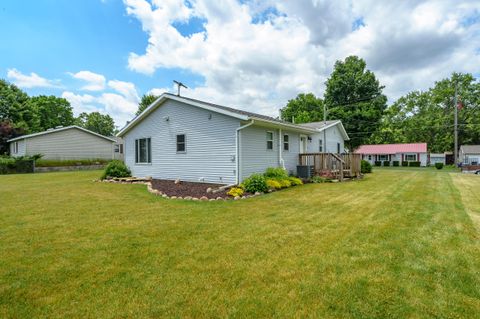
(398, 244)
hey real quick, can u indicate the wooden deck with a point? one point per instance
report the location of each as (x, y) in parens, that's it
(339, 165)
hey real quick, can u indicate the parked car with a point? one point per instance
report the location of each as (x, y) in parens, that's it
(477, 172)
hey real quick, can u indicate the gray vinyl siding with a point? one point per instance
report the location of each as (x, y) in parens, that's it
(290, 157)
(254, 156)
(210, 144)
(70, 144)
(333, 136)
(21, 148)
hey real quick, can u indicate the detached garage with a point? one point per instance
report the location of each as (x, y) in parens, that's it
(64, 143)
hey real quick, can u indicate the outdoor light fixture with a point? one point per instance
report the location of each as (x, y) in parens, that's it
(166, 118)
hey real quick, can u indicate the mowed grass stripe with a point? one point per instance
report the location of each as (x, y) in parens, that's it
(397, 244)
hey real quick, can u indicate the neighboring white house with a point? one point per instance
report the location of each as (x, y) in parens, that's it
(469, 154)
(64, 143)
(192, 140)
(413, 152)
(437, 158)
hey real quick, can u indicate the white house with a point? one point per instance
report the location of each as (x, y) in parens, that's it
(413, 152)
(180, 137)
(469, 154)
(64, 143)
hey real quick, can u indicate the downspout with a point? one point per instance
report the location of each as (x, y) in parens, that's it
(237, 150)
(280, 158)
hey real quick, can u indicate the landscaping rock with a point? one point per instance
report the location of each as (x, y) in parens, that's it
(211, 199)
(179, 197)
(219, 198)
(204, 198)
(173, 197)
(188, 197)
(165, 196)
(177, 181)
(236, 197)
(258, 193)
(194, 198)
(209, 190)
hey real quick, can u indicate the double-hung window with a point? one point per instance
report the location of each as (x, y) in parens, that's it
(269, 140)
(286, 142)
(383, 157)
(143, 151)
(181, 143)
(411, 157)
(119, 148)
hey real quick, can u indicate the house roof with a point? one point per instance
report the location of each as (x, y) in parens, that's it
(392, 148)
(320, 126)
(229, 111)
(470, 149)
(59, 129)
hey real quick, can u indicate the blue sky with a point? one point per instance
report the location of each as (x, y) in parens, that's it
(254, 54)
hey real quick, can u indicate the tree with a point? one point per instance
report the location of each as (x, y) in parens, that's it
(15, 109)
(354, 95)
(51, 111)
(303, 109)
(145, 102)
(7, 131)
(96, 122)
(428, 116)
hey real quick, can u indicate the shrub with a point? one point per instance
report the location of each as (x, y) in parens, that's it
(366, 167)
(235, 191)
(395, 163)
(295, 181)
(276, 172)
(273, 184)
(116, 168)
(438, 165)
(404, 163)
(16, 165)
(386, 163)
(378, 163)
(79, 162)
(318, 179)
(414, 164)
(255, 183)
(285, 182)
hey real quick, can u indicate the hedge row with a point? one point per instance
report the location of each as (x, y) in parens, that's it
(17, 166)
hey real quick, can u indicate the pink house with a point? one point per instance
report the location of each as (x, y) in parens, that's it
(412, 152)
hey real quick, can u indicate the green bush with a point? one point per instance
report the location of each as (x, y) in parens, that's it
(284, 182)
(414, 164)
(255, 183)
(276, 172)
(295, 181)
(366, 167)
(378, 163)
(386, 163)
(116, 168)
(319, 179)
(80, 162)
(438, 165)
(235, 192)
(404, 163)
(273, 184)
(395, 163)
(16, 165)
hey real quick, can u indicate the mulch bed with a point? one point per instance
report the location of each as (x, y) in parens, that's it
(184, 189)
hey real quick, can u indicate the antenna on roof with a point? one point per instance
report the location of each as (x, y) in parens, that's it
(179, 86)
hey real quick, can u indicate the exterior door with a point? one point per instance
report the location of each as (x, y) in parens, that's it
(303, 144)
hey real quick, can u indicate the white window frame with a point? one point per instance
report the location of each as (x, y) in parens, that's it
(148, 141)
(269, 140)
(320, 145)
(286, 143)
(184, 143)
(382, 159)
(15, 147)
(118, 148)
(410, 160)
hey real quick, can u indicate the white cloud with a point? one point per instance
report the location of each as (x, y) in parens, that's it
(95, 82)
(259, 54)
(81, 103)
(29, 81)
(127, 89)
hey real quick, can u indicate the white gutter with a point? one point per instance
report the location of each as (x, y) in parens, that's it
(237, 150)
(280, 158)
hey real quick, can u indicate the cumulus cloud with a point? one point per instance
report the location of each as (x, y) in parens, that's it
(32, 80)
(259, 54)
(95, 82)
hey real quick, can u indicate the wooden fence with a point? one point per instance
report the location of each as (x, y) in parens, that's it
(338, 165)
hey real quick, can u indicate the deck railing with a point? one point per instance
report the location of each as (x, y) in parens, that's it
(338, 165)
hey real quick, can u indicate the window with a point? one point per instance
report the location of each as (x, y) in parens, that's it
(269, 140)
(383, 157)
(286, 145)
(181, 143)
(119, 148)
(369, 157)
(338, 148)
(411, 157)
(320, 146)
(15, 147)
(143, 151)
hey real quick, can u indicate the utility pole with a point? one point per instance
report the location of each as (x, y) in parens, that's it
(455, 125)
